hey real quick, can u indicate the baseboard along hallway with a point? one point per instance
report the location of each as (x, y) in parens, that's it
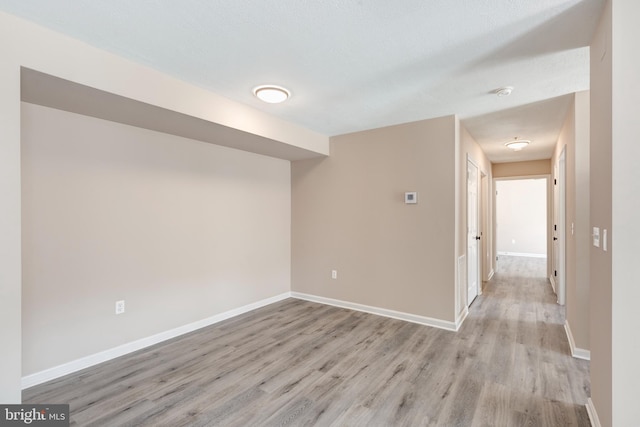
(298, 362)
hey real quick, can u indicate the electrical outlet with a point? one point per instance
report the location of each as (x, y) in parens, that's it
(119, 307)
(334, 274)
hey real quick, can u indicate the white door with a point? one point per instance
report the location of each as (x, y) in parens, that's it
(559, 227)
(554, 231)
(473, 237)
(559, 238)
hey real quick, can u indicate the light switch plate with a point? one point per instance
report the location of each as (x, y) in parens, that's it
(596, 237)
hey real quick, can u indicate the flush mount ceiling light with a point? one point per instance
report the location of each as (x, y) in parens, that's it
(271, 93)
(504, 91)
(517, 144)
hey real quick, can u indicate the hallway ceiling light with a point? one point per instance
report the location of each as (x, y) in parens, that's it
(518, 144)
(271, 93)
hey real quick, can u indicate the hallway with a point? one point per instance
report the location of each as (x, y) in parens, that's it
(301, 363)
(516, 329)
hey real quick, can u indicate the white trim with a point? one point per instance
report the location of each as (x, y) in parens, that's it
(561, 221)
(478, 260)
(490, 276)
(553, 284)
(578, 353)
(525, 254)
(461, 318)
(422, 320)
(461, 290)
(103, 356)
(593, 415)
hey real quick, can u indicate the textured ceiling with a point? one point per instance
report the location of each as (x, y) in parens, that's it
(355, 65)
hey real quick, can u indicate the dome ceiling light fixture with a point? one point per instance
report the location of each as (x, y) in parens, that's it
(517, 144)
(271, 94)
(504, 91)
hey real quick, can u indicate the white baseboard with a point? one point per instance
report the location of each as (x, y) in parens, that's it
(525, 254)
(578, 353)
(423, 320)
(553, 284)
(103, 356)
(593, 415)
(490, 276)
(461, 318)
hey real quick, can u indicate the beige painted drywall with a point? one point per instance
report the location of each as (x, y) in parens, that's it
(521, 216)
(519, 169)
(625, 208)
(44, 89)
(469, 149)
(600, 311)
(488, 260)
(567, 139)
(349, 215)
(575, 137)
(179, 229)
(614, 205)
(578, 311)
(48, 52)
(10, 269)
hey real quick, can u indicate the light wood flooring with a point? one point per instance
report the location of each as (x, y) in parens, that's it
(298, 363)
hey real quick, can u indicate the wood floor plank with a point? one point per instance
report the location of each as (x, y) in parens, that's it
(299, 363)
(496, 412)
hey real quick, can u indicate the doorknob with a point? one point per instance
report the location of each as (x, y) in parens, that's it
(477, 237)
(555, 238)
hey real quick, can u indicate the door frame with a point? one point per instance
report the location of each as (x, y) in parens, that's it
(549, 215)
(478, 269)
(559, 231)
(486, 263)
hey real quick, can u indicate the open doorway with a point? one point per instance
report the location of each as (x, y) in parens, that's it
(521, 218)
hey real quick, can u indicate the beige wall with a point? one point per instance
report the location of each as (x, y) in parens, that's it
(600, 311)
(349, 215)
(51, 53)
(58, 55)
(519, 169)
(578, 311)
(575, 137)
(469, 149)
(10, 264)
(179, 229)
(625, 208)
